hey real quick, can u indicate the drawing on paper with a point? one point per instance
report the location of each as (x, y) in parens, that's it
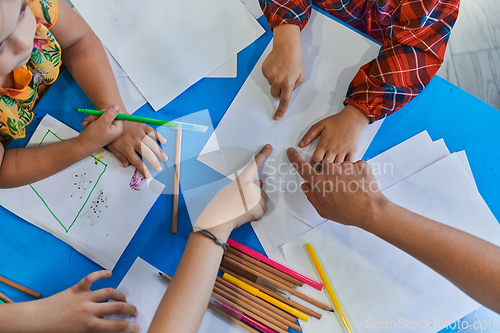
(81, 189)
(94, 213)
(136, 181)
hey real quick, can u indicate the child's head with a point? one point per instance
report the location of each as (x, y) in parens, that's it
(17, 31)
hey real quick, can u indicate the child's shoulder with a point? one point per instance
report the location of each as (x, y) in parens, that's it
(45, 11)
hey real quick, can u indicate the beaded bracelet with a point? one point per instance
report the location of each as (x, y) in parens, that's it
(210, 235)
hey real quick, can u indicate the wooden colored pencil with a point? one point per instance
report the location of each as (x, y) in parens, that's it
(5, 298)
(257, 306)
(221, 312)
(248, 313)
(276, 296)
(262, 271)
(265, 266)
(252, 275)
(231, 318)
(254, 310)
(177, 170)
(257, 300)
(19, 287)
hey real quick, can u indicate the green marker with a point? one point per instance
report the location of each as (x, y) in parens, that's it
(1, 301)
(150, 121)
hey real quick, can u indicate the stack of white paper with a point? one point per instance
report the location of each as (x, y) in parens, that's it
(377, 283)
(166, 46)
(96, 205)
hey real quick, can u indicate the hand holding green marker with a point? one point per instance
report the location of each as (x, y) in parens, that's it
(150, 121)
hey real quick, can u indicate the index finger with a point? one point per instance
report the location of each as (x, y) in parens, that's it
(304, 169)
(285, 97)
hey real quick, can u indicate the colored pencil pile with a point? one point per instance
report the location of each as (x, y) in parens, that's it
(256, 294)
(260, 291)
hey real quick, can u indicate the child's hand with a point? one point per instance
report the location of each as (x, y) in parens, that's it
(78, 309)
(136, 139)
(102, 131)
(241, 201)
(284, 67)
(340, 135)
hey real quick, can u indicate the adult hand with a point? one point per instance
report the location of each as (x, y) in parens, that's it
(340, 135)
(346, 193)
(136, 139)
(241, 201)
(78, 309)
(284, 67)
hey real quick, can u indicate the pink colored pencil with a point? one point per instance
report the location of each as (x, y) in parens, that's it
(241, 316)
(259, 256)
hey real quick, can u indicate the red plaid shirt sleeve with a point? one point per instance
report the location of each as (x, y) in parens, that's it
(413, 33)
(279, 12)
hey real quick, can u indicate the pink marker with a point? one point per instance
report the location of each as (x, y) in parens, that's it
(240, 315)
(264, 259)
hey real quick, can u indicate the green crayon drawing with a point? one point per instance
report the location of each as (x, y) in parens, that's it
(97, 162)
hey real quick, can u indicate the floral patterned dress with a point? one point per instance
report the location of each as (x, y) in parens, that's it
(16, 104)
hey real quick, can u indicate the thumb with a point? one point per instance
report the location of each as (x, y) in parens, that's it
(87, 281)
(109, 116)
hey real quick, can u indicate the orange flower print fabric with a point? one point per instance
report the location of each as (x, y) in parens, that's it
(16, 104)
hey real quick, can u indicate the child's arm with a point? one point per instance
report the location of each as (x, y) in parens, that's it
(86, 59)
(75, 310)
(22, 166)
(412, 51)
(472, 264)
(193, 282)
(284, 67)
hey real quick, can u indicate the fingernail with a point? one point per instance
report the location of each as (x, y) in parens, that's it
(301, 143)
(158, 168)
(116, 107)
(148, 174)
(267, 146)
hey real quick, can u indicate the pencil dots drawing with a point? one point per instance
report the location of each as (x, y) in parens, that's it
(81, 185)
(96, 210)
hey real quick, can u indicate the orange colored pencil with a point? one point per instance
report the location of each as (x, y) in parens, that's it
(265, 266)
(19, 287)
(276, 296)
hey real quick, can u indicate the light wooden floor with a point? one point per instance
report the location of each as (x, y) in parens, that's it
(472, 60)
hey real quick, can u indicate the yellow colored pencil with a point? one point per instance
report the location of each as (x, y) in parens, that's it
(328, 286)
(256, 292)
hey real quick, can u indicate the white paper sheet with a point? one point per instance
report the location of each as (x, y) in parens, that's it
(279, 227)
(131, 96)
(407, 158)
(90, 205)
(376, 281)
(253, 7)
(144, 288)
(161, 58)
(248, 122)
(228, 69)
